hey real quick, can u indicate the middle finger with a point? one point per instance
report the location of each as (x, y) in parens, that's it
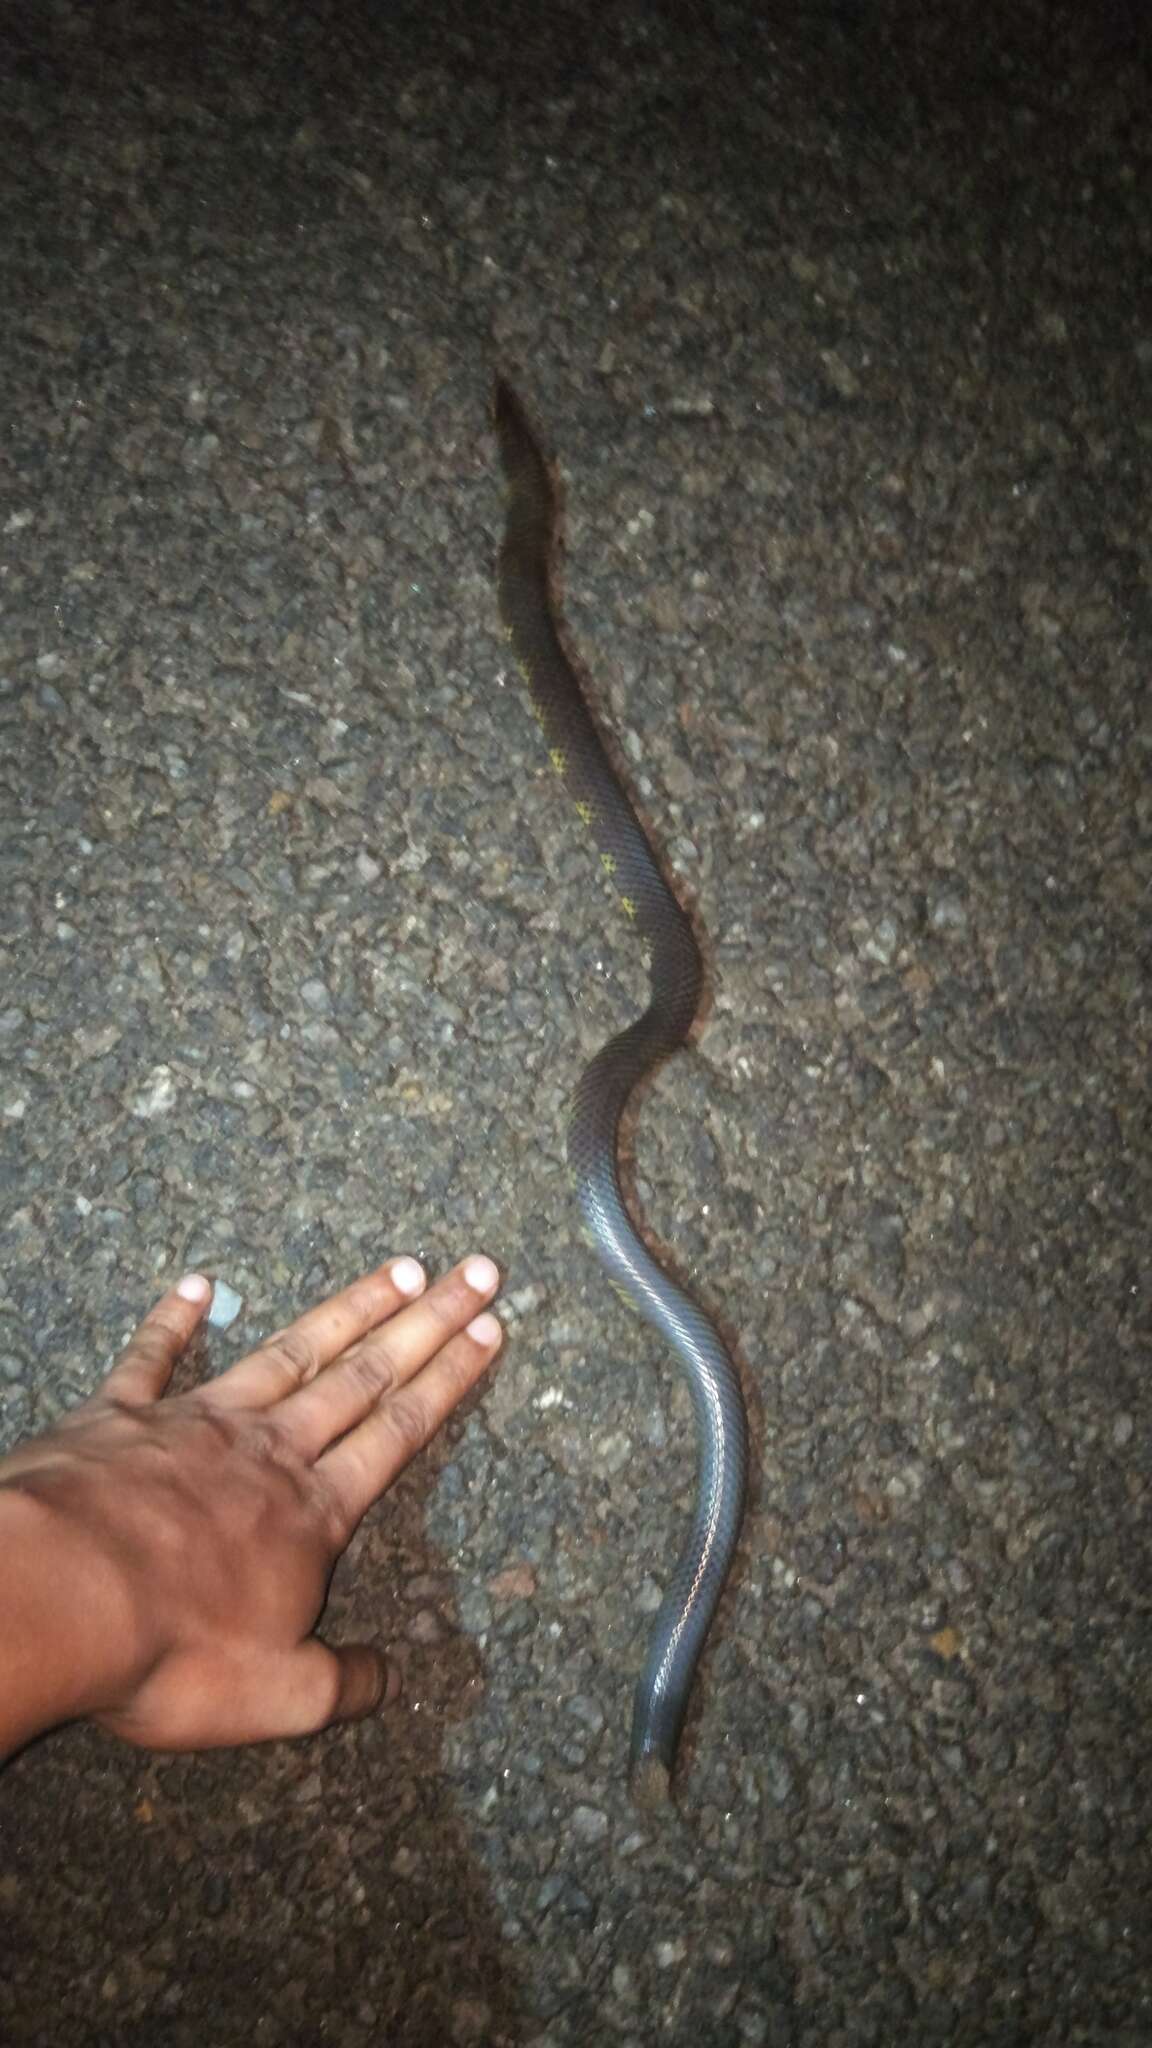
(341, 1397)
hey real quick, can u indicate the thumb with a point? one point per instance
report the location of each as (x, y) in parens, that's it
(192, 1705)
(322, 1683)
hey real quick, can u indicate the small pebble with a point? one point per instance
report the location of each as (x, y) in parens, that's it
(226, 1306)
(317, 997)
(589, 1824)
(585, 1709)
(948, 913)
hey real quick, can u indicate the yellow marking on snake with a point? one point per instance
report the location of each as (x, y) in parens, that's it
(559, 760)
(629, 906)
(584, 811)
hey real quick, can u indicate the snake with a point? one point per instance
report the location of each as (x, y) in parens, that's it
(676, 978)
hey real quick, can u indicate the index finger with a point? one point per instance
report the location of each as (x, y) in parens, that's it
(145, 1365)
(292, 1357)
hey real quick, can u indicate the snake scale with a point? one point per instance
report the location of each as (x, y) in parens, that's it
(676, 978)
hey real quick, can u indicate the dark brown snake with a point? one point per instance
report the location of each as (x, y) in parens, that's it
(676, 977)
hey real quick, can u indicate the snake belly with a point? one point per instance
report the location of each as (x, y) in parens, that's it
(676, 978)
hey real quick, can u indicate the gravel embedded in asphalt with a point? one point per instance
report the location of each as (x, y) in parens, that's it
(834, 320)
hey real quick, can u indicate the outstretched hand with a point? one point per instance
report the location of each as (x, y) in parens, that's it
(188, 1543)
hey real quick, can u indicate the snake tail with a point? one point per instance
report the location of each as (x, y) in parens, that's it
(675, 982)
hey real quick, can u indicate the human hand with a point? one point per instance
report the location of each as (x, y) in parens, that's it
(165, 1562)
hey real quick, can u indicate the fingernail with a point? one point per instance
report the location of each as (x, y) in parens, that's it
(393, 1683)
(194, 1287)
(481, 1274)
(407, 1275)
(484, 1329)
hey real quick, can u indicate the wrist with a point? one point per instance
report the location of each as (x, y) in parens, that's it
(67, 1634)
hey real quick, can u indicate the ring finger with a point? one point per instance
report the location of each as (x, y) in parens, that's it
(358, 1468)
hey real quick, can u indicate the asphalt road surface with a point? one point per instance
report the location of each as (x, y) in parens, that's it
(835, 318)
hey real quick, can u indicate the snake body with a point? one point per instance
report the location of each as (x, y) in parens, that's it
(676, 978)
